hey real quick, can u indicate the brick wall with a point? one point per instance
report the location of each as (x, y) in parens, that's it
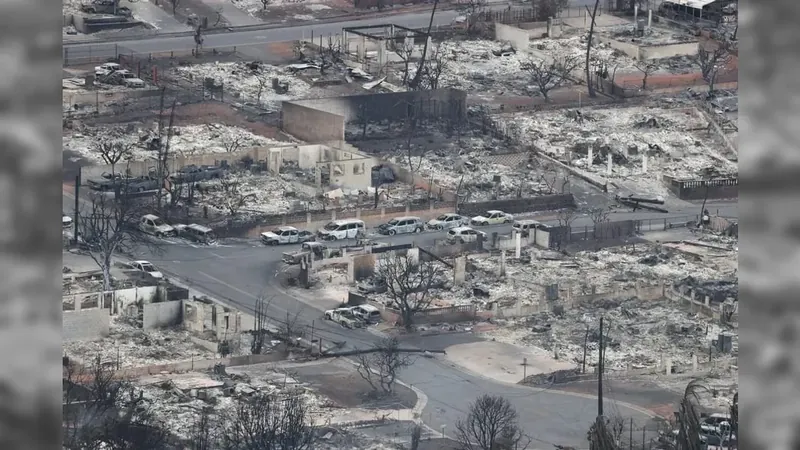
(85, 325)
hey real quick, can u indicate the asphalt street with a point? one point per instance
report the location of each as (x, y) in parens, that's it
(238, 271)
(249, 37)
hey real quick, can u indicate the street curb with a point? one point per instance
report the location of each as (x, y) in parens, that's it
(244, 28)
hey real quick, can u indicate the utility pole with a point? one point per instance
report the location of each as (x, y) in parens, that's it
(585, 343)
(77, 207)
(600, 364)
(630, 433)
(524, 368)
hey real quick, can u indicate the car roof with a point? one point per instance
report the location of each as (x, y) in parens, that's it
(287, 228)
(197, 227)
(150, 216)
(141, 261)
(459, 229)
(492, 211)
(406, 218)
(526, 221)
(368, 307)
(344, 221)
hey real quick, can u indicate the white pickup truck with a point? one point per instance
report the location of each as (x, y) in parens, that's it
(344, 317)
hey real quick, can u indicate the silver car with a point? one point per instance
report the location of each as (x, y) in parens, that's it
(447, 221)
(402, 225)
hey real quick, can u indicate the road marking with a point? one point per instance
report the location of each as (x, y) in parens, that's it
(218, 256)
(228, 285)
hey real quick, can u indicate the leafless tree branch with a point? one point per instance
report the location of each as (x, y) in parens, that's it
(490, 424)
(408, 283)
(381, 367)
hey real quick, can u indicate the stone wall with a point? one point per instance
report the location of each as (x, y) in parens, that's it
(311, 124)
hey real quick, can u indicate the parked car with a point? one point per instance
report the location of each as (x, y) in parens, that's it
(463, 235)
(193, 173)
(196, 233)
(344, 317)
(107, 181)
(148, 268)
(286, 235)
(402, 225)
(524, 227)
(317, 250)
(155, 225)
(492, 217)
(106, 68)
(66, 221)
(342, 229)
(122, 77)
(367, 313)
(447, 221)
(372, 286)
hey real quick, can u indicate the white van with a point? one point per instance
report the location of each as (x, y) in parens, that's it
(524, 227)
(342, 229)
(367, 313)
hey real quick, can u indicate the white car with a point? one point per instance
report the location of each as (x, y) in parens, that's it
(463, 235)
(286, 235)
(447, 221)
(66, 221)
(105, 69)
(148, 268)
(492, 217)
(344, 317)
(156, 226)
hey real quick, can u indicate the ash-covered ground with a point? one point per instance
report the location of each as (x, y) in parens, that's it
(186, 140)
(675, 141)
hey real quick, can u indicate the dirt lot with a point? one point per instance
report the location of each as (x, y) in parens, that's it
(339, 381)
(503, 362)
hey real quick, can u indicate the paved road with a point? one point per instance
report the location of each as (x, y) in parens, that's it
(161, 43)
(237, 271)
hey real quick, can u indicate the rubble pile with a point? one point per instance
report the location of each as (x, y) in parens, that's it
(473, 165)
(71, 7)
(254, 6)
(472, 66)
(247, 79)
(179, 401)
(608, 270)
(252, 193)
(627, 134)
(651, 36)
(130, 346)
(641, 333)
(186, 140)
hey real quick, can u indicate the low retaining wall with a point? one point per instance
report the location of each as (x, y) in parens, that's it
(519, 205)
(200, 364)
(702, 189)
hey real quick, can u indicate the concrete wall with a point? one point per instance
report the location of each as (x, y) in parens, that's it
(119, 299)
(349, 170)
(377, 107)
(162, 314)
(519, 38)
(306, 155)
(85, 325)
(200, 364)
(701, 189)
(408, 177)
(519, 205)
(653, 51)
(668, 50)
(100, 97)
(310, 123)
(631, 50)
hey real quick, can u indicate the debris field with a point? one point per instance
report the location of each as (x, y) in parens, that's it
(263, 85)
(642, 334)
(675, 142)
(186, 140)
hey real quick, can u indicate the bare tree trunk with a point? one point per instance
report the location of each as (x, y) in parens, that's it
(592, 93)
